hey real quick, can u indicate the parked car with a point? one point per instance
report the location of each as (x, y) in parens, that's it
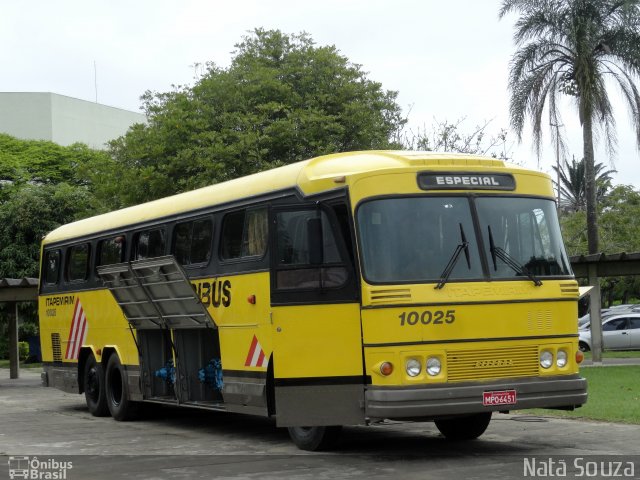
(624, 306)
(619, 332)
(584, 322)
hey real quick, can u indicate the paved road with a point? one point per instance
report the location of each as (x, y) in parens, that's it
(177, 443)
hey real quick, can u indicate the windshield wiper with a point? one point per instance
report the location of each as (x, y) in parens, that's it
(446, 273)
(497, 252)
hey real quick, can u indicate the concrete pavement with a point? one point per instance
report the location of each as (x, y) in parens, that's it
(183, 443)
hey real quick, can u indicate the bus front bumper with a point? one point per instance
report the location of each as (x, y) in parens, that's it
(454, 399)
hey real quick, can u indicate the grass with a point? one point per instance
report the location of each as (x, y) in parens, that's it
(5, 364)
(614, 396)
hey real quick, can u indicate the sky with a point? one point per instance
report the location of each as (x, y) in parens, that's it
(449, 61)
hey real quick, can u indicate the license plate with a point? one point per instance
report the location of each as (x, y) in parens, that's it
(503, 397)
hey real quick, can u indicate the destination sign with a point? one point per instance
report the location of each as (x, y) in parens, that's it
(466, 181)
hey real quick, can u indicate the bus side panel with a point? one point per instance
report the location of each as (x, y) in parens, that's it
(73, 320)
(239, 305)
(317, 358)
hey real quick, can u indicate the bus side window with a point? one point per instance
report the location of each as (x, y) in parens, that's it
(111, 250)
(51, 267)
(244, 234)
(295, 267)
(78, 262)
(192, 241)
(148, 244)
(342, 215)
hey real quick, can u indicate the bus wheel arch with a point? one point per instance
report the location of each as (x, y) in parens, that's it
(82, 361)
(117, 394)
(93, 384)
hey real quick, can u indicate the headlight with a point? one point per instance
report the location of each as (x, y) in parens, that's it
(546, 359)
(561, 361)
(413, 367)
(433, 366)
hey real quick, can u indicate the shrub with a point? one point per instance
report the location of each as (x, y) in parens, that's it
(23, 350)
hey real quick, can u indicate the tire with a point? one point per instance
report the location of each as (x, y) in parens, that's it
(468, 427)
(314, 439)
(94, 391)
(583, 347)
(122, 408)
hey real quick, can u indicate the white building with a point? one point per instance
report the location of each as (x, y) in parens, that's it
(63, 120)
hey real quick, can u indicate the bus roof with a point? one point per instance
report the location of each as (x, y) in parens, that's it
(309, 176)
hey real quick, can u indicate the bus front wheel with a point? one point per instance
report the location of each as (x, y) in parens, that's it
(117, 391)
(314, 438)
(468, 427)
(94, 391)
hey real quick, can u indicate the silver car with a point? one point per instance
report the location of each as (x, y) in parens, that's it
(619, 332)
(584, 322)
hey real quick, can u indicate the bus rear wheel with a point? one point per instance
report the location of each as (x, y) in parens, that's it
(117, 391)
(314, 438)
(94, 391)
(468, 427)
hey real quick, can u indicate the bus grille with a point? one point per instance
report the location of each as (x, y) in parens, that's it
(463, 365)
(56, 347)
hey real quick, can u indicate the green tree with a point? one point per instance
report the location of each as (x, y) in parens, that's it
(619, 223)
(572, 184)
(620, 232)
(28, 214)
(43, 162)
(619, 214)
(42, 185)
(281, 100)
(620, 220)
(572, 47)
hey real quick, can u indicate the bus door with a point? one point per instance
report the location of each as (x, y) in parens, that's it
(317, 348)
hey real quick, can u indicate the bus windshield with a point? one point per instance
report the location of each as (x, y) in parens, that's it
(527, 230)
(412, 239)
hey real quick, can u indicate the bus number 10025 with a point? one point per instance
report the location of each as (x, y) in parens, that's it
(427, 317)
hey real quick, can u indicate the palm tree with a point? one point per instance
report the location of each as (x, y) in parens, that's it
(572, 47)
(572, 184)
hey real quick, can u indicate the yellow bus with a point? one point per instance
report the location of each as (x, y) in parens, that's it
(342, 290)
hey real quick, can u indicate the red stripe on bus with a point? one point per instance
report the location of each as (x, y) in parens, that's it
(73, 326)
(252, 350)
(81, 332)
(76, 332)
(260, 359)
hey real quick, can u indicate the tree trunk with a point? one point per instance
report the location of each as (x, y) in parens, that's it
(590, 184)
